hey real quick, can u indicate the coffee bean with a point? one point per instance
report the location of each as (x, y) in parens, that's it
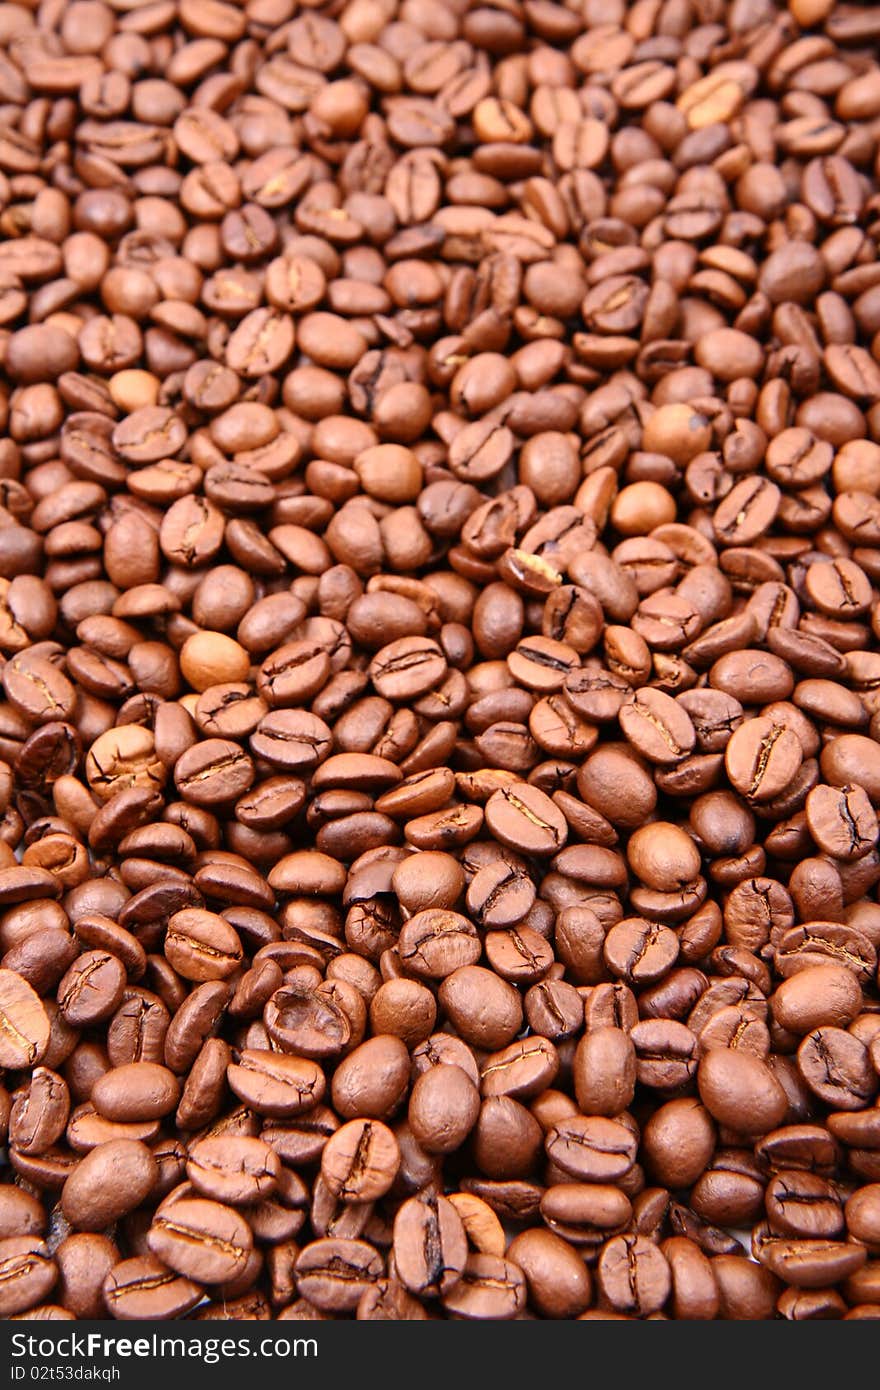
(238, 1171)
(360, 1161)
(201, 945)
(92, 989)
(39, 1115)
(816, 996)
(762, 757)
(639, 951)
(443, 1108)
(464, 996)
(310, 1021)
(123, 759)
(144, 1287)
(679, 1140)
(592, 1149)
(835, 1066)
(434, 943)
(657, 727)
(430, 1245)
(201, 1239)
(212, 772)
(526, 819)
(27, 1273)
(334, 1274)
(136, 1091)
(276, 1085)
(490, 1288)
(740, 1091)
(407, 668)
(803, 1205)
(634, 1275)
(110, 1181)
(604, 1072)
(437, 601)
(808, 1263)
(24, 1026)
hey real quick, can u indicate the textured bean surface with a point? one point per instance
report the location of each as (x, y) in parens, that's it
(440, 659)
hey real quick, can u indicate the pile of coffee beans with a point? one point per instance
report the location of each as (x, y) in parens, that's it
(440, 659)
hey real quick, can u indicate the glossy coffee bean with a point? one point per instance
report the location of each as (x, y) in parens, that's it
(439, 538)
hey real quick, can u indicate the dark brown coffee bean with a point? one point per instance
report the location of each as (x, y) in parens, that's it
(605, 1072)
(275, 1085)
(443, 1108)
(836, 1067)
(592, 1149)
(740, 1091)
(213, 772)
(109, 1182)
(526, 819)
(762, 757)
(238, 1171)
(360, 1161)
(434, 943)
(633, 1275)
(136, 1091)
(804, 1206)
(92, 988)
(201, 945)
(193, 1234)
(490, 1288)
(24, 1026)
(144, 1287)
(657, 727)
(27, 1273)
(38, 1116)
(334, 1274)
(430, 1246)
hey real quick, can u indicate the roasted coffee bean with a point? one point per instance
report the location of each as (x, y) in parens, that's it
(24, 1025)
(134, 1092)
(239, 1171)
(27, 1273)
(434, 943)
(107, 1183)
(216, 771)
(443, 1109)
(84, 1261)
(592, 1149)
(762, 757)
(634, 1275)
(809, 1263)
(490, 1288)
(740, 1091)
(842, 821)
(201, 945)
(604, 1071)
(333, 1274)
(526, 820)
(556, 1278)
(657, 727)
(144, 1287)
(819, 995)
(359, 1162)
(430, 1245)
(438, 608)
(201, 1239)
(803, 1205)
(836, 1067)
(679, 1140)
(38, 1115)
(275, 1085)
